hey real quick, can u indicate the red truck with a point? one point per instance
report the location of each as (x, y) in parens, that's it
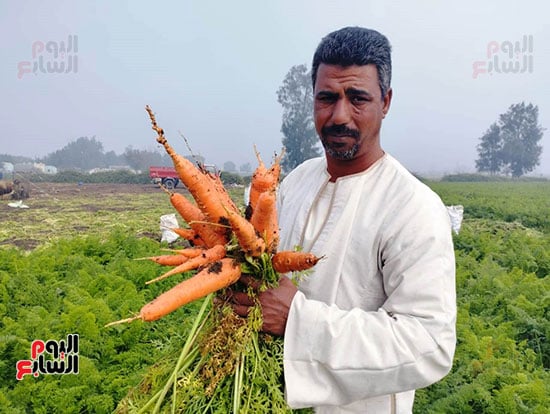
(167, 176)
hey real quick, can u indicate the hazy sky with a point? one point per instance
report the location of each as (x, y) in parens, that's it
(211, 69)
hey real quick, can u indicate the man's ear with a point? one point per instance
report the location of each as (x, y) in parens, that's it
(387, 102)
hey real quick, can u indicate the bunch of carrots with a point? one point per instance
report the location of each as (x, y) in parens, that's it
(225, 243)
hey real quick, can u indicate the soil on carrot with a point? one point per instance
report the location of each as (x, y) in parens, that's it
(215, 267)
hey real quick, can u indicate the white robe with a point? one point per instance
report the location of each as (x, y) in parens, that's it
(376, 318)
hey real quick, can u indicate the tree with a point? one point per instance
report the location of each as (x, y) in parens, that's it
(296, 97)
(512, 145)
(229, 166)
(141, 160)
(245, 168)
(111, 158)
(520, 134)
(84, 153)
(489, 151)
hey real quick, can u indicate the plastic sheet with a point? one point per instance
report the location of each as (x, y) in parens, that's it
(456, 213)
(167, 222)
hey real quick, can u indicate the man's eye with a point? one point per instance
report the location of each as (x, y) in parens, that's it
(358, 100)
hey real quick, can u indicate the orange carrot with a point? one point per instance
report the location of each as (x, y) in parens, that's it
(185, 207)
(208, 256)
(264, 219)
(190, 235)
(202, 188)
(187, 234)
(222, 194)
(188, 252)
(167, 259)
(289, 261)
(264, 179)
(216, 276)
(249, 241)
(196, 219)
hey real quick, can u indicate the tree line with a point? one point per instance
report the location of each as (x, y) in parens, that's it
(509, 147)
(85, 154)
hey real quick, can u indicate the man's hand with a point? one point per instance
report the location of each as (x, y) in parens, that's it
(274, 303)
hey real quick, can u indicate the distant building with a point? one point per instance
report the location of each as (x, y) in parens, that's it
(50, 169)
(34, 167)
(46, 169)
(113, 168)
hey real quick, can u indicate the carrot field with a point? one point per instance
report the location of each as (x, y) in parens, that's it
(67, 268)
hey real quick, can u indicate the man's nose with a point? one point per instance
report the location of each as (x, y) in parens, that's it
(341, 112)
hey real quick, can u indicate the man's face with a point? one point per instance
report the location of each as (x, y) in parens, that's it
(348, 110)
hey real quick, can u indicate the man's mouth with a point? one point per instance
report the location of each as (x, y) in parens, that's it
(339, 136)
(337, 141)
(340, 142)
(339, 131)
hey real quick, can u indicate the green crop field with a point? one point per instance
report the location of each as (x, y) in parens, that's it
(67, 267)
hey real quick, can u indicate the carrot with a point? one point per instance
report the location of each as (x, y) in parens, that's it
(208, 256)
(201, 187)
(264, 179)
(249, 241)
(196, 220)
(222, 194)
(264, 219)
(215, 177)
(167, 259)
(190, 235)
(217, 275)
(188, 252)
(187, 234)
(289, 261)
(185, 207)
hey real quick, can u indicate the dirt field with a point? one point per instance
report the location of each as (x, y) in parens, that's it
(46, 190)
(65, 210)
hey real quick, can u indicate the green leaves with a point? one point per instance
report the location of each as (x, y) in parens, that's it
(503, 353)
(76, 286)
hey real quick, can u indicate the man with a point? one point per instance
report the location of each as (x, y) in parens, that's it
(375, 320)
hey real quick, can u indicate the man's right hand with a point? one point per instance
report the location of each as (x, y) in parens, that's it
(275, 303)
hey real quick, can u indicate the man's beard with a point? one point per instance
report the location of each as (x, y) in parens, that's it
(341, 155)
(332, 148)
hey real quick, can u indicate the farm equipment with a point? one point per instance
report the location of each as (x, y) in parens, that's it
(167, 176)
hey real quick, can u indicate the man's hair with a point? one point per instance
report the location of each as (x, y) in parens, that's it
(355, 46)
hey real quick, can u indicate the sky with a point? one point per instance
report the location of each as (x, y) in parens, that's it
(211, 69)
